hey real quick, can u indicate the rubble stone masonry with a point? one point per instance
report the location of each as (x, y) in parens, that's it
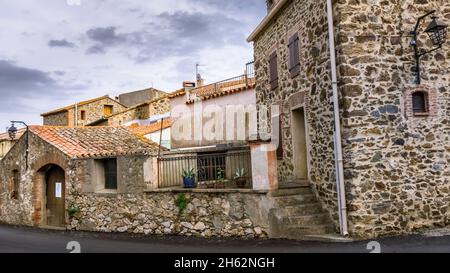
(397, 164)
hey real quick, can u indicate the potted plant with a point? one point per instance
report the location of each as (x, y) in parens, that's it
(220, 182)
(241, 178)
(189, 178)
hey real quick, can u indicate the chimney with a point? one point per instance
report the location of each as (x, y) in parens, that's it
(200, 81)
(188, 85)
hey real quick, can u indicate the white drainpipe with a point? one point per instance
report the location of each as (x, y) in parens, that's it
(337, 132)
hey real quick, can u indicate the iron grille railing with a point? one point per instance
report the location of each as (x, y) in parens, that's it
(209, 167)
(245, 80)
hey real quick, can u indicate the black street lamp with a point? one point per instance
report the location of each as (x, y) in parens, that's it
(12, 131)
(436, 30)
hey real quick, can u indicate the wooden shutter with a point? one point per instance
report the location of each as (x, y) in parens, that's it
(110, 174)
(107, 110)
(273, 67)
(294, 55)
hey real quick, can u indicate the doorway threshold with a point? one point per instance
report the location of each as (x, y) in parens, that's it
(53, 228)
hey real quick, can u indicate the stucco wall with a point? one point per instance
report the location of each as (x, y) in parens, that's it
(182, 137)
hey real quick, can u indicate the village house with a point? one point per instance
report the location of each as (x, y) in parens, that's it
(390, 173)
(102, 179)
(143, 113)
(83, 113)
(69, 167)
(211, 127)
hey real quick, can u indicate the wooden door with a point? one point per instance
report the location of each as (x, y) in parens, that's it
(55, 197)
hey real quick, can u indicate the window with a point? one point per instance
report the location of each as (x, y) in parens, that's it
(420, 103)
(273, 67)
(209, 166)
(107, 110)
(294, 55)
(110, 168)
(83, 115)
(15, 188)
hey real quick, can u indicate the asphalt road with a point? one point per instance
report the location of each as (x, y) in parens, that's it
(30, 240)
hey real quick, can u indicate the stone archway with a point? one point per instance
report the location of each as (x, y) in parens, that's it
(41, 167)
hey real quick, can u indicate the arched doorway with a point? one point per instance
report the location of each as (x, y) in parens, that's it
(54, 204)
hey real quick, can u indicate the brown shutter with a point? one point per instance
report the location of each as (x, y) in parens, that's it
(294, 55)
(273, 67)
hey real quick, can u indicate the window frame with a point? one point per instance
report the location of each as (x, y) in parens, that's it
(83, 115)
(107, 169)
(423, 111)
(108, 106)
(16, 184)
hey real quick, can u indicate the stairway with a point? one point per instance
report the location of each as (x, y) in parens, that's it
(297, 214)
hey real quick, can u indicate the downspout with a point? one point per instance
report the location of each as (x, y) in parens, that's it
(342, 207)
(75, 123)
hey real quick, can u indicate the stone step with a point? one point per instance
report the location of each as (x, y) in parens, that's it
(299, 210)
(290, 192)
(296, 232)
(285, 201)
(307, 220)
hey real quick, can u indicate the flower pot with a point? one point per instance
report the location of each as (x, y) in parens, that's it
(220, 184)
(189, 183)
(241, 182)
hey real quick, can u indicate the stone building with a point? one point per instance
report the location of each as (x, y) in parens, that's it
(65, 166)
(395, 133)
(101, 179)
(83, 112)
(145, 111)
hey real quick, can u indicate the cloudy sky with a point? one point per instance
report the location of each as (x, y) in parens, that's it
(57, 52)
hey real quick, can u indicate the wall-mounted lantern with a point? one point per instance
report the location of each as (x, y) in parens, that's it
(12, 131)
(436, 30)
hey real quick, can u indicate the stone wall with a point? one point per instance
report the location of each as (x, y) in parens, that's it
(397, 165)
(312, 85)
(94, 111)
(206, 215)
(58, 119)
(141, 112)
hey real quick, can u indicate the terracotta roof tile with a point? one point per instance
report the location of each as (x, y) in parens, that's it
(85, 142)
(210, 91)
(143, 130)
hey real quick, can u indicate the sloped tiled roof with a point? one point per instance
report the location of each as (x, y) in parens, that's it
(210, 91)
(143, 130)
(94, 142)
